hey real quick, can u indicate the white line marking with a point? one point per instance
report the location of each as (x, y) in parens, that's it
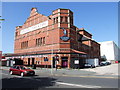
(11, 75)
(18, 76)
(5, 74)
(78, 85)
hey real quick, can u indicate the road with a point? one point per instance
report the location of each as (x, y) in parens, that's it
(50, 81)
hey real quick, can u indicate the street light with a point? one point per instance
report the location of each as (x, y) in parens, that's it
(52, 57)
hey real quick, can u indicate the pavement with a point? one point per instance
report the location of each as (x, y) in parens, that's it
(106, 70)
(110, 71)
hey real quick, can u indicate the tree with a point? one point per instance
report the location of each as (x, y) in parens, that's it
(2, 19)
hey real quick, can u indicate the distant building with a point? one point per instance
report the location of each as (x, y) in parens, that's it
(109, 51)
(0, 57)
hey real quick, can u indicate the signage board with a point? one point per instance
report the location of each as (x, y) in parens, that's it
(34, 27)
(64, 37)
(76, 62)
(45, 59)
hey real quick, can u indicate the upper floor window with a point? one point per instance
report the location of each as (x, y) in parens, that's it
(64, 19)
(71, 20)
(40, 41)
(16, 33)
(55, 20)
(61, 19)
(24, 44)
(43, 40)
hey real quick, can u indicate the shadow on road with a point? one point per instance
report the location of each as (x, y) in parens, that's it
(26, 82)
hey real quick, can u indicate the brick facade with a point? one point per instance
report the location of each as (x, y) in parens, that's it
(41, 36)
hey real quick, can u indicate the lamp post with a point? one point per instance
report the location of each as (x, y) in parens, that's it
(56, 60)
(52, 57)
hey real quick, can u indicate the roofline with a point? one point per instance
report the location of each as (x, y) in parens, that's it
(85, 31)
(62, 8)
(92, 40)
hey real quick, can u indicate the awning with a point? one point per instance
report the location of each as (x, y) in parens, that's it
(76, 51)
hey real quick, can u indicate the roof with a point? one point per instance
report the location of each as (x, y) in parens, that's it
(62, 9)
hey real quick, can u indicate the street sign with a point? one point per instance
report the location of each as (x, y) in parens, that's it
(45, 59)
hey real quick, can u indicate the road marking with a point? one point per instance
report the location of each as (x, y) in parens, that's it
(78, 85)
(18, 76)
(87, 76)
(5, 74)
(11, 75)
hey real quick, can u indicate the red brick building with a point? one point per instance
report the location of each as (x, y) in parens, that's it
(41, 38)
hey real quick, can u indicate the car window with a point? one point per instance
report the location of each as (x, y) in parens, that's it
(17, 67)
(14, 67)
(22, 67)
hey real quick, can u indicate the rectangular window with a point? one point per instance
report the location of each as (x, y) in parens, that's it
(39, 41)
(21, 45)
(56, 19)
(66, 19)
(61, 19)
(27, 44)
(71, 20)
(24, 44)
(43, 40)
(36, 42)
(16, 33)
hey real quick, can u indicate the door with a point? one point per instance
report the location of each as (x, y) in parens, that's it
(13, 69)
(17, 70)
(28, 61)
(33, 60)
(53, 62)
(64, 62)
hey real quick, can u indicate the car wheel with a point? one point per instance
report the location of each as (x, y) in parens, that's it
(11, 72)
(34, 74)
(21, 74)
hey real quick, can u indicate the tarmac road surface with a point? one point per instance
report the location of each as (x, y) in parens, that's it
(41, 80)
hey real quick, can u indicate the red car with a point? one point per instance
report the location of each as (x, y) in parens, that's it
(21, 70)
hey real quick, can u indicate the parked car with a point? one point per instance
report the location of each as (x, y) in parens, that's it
(87, 65)
(104, 63)
(108, 63)
(21, 70)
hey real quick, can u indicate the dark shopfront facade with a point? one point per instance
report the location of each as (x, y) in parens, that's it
(46, 60)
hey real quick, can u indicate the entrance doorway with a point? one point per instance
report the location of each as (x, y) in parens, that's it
(64, 62)
(33, 59)
(53, 62)
(28, 61)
